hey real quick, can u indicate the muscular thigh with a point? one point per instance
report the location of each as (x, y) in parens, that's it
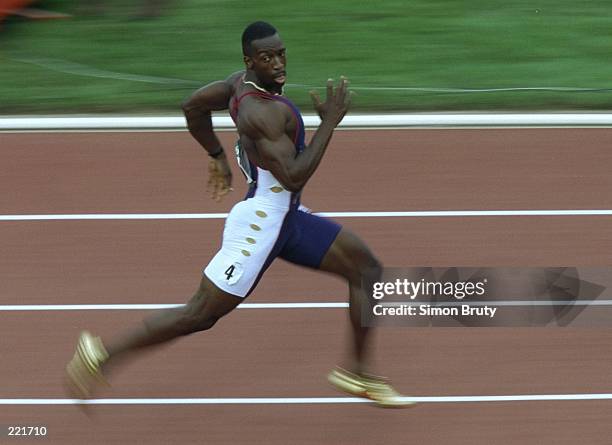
(348, 257)
(310, 239)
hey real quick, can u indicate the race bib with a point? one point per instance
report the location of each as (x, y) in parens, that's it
(243, 162)
(233, 273)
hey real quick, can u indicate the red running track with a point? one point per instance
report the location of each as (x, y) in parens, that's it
(286, 353)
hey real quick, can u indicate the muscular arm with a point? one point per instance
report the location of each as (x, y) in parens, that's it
(198, 107)
(265, 124)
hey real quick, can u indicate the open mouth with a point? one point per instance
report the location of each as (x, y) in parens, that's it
(280, 78)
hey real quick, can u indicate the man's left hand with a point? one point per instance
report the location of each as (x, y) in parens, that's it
(219, 178)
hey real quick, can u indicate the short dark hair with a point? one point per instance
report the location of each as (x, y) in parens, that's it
(255, 31)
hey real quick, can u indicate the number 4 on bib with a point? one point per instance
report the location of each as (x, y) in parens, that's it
(233, 273)
(229, 273)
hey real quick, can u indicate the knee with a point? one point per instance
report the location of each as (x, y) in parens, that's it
(190, 323)
(365, 267)
(204, 323)
(371, 267)
(353, 260)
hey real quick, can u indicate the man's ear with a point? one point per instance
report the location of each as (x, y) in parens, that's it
(248, 62)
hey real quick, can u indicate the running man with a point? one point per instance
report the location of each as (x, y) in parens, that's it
(269, 223)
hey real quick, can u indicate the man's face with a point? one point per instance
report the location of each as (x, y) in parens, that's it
(268, 61)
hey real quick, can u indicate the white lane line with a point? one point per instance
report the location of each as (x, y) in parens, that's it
(177, 122)
(113, 216)
(319, 305)
(342, 129)
(123, 307)
(303, 400)
(407, 214)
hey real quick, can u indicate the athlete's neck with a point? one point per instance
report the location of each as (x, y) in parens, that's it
(251, 79)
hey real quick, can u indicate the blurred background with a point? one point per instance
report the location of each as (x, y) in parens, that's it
(146, 56)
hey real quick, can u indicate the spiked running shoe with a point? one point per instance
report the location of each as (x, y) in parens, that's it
(84, 371)
(375, 388)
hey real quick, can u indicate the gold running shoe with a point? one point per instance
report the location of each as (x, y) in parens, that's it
(371, 387)
(84, 371)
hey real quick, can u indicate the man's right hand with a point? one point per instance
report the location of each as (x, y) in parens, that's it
(336, 103)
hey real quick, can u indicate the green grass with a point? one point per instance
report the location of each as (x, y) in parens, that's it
(390, 43)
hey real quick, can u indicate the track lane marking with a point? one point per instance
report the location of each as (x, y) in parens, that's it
(386, 121)
(382, 214)
(305, 400)
(313, 305)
